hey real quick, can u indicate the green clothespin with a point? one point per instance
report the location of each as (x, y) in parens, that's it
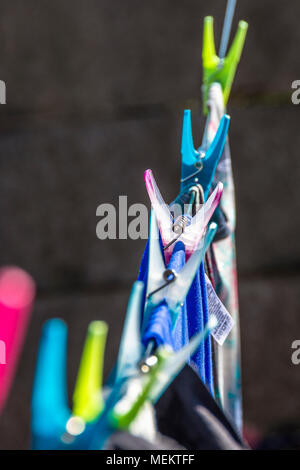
(125, 411)
(216, 69)
(87, 398)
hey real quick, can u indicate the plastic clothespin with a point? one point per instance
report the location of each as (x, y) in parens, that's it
(216, 69)
(199, 166)
(54, 426)
(88, 400)
(193, 232)
(165, 368)
(166, 285)
(17, 292)
(50, 411)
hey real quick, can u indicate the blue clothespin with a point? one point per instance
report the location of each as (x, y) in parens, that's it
(50, 411)
(199, 166)
(165, 285)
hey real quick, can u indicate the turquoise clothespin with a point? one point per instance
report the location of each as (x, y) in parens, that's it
(50, 411)
(198, 167)
(216, 69)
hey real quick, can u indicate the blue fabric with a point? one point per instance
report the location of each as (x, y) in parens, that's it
(159, 327)
(207, 342)
(143, 271)
(196, 324)
(180, 332)
(160, 324)
(197, 320)
(191, 320)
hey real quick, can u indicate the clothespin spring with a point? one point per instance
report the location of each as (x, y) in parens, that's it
(182, 221)
(169, 276)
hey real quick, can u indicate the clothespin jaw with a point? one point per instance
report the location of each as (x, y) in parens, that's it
(190, 157)
(87, 398)
(156, 269)
(198, 167)
(216, 69)
(213, 155)
(131, 349)
(50, 411)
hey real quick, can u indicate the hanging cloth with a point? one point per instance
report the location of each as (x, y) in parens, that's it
(228, 378)
(188, 413)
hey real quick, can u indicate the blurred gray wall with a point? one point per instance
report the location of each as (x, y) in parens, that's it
(95, 95)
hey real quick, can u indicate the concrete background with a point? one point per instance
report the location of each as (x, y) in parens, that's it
(95, 94)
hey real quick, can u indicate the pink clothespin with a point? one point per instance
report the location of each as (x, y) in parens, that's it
(17, 292)
(194, 227)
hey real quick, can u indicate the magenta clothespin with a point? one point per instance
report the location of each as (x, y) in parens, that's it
(17, 292)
